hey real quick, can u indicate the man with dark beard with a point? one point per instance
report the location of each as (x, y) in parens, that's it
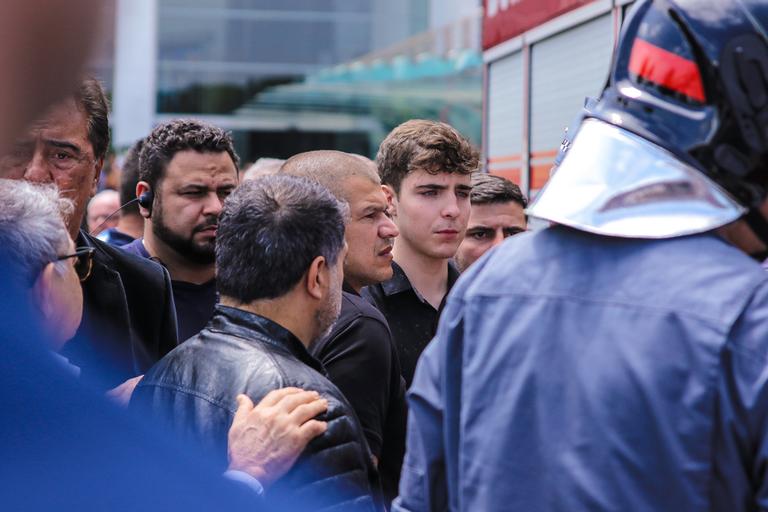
(186, 170)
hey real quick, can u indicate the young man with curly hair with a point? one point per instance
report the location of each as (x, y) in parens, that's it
(425, 169)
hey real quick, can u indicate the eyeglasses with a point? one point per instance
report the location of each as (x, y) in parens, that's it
(84, 263)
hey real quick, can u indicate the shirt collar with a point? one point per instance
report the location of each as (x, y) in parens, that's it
(247, 325)
(142, 248)
(399, 282)
(100, 256)
(453, 275)
(138, 245)
(348, 288)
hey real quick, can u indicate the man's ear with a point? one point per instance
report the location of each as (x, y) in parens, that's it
(317, 277)
(391, 199)
(96, 173)
(141, 187)
(42, 290)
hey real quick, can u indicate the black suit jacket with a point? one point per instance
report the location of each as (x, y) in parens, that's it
(129, 318)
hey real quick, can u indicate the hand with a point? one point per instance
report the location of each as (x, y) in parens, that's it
(266, 440)
(121, 395)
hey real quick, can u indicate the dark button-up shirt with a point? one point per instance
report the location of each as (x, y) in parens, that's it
(412, 319)
(360, 358)
(194, 302)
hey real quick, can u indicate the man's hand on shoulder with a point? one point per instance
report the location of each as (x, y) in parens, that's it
(265, 440)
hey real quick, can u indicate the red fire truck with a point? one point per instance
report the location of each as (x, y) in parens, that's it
(541, 59)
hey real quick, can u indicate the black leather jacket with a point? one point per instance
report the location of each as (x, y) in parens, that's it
(194, 387)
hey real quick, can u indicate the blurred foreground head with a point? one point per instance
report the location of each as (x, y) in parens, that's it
(678, 142)
(43, 45)
(39, 253)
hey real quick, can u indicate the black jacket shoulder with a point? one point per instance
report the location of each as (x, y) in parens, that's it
(193, 390)
(129, 317)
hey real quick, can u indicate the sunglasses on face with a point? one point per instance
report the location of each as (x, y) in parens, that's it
(84, 262)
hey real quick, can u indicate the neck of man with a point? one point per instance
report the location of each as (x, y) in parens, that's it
(180, 268)
(428, 275)
(130, 224)
(74, 227)
(283, 311)
(352, 282)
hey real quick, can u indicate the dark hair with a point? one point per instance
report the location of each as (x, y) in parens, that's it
(427, 145)
(490, 189)
(269, 232)
(167, 139)
(129, 178)
(90, 97)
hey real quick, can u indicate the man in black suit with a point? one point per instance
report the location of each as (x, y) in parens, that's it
(129, 319)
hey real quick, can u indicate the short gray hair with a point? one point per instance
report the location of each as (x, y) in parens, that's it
(32, 228)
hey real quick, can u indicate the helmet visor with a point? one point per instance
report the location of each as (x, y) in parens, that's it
(613, 182)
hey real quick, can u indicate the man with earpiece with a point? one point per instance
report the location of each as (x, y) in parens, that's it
(186, 170)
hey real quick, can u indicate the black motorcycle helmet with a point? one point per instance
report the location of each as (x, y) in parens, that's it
(691, 76)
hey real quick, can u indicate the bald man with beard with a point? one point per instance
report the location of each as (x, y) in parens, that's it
(359, 353)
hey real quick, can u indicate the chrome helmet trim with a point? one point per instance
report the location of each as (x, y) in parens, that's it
(613, 182)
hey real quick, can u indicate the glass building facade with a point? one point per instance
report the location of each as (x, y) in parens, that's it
(214, 55)
(286, 76)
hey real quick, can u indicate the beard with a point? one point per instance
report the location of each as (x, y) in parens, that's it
(203, 253)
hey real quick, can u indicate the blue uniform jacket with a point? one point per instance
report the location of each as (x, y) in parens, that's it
(574, 372)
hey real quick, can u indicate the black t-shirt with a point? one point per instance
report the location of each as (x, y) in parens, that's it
(194, 302)
(412, 320)
(360, 359)
(194, 306)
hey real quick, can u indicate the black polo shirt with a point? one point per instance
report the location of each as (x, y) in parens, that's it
(412, 320)
(359, 357)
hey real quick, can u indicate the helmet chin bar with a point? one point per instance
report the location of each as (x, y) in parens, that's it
(759, 226)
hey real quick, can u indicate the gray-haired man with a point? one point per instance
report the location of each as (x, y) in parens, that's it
(41, 257)
(44, 256)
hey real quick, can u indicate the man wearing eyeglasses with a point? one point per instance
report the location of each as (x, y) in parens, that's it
(39, 256)
(51, 267)
(129, 319)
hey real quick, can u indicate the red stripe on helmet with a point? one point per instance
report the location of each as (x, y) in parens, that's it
(666, 69)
